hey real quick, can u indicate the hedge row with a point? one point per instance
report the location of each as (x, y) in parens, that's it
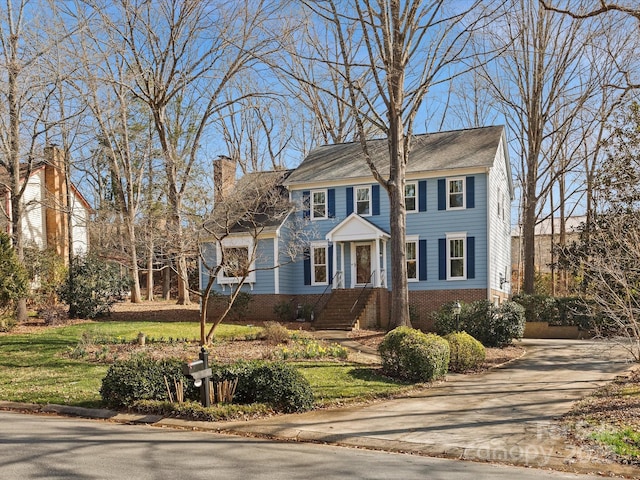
(276, 384)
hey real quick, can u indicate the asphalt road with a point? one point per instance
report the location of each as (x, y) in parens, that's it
(42, 447)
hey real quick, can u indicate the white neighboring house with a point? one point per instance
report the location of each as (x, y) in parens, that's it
(45, 223)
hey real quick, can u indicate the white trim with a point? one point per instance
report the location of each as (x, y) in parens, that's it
(312, 204)
(463, 192)
(356, 228)
(319, 246)
(236, 242)
(355, 199)
(414, 239)
(415, 197)
(457, 236)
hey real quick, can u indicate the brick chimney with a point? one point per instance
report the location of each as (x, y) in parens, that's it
(56, 201)
(224, 176)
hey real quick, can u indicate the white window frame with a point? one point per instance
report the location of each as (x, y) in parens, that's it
(355, 200)
(319, 246)
(415, 197)
(238, 242)
(458, 236)
(463, 181)
(415, 240)
(313, 205)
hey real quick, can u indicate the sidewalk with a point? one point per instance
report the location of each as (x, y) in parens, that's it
(504, 415)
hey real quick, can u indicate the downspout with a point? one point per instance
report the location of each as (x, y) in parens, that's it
(489, 263)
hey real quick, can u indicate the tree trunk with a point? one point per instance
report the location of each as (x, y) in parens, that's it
(166, 281)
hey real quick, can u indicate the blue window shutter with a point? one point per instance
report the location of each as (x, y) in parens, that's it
(471, 192)
(349, 200)
(331, 202)
(471, 257)
(442, 258)
(307, 266)
(422, 196)
(442, 194)
(306, 204)
(330, 261)
(422, 258)
(375, 199)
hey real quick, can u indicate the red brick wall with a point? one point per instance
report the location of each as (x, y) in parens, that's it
(261, 307)
(428, 301)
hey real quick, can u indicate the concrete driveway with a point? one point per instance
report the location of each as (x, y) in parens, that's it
(505, 415)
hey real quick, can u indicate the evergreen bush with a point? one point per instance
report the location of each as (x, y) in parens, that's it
(142, 378)
(92, 286)
(13, 277)
(490, 325)
(466, 353)
(412, 355)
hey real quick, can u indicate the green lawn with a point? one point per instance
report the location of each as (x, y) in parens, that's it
(35, 369)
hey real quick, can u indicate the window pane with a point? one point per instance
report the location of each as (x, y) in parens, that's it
(410, 190)
(455, 186)
(457, 267)
(412, 269)
(320, 274)
(411, 250)
(363, 194)
(236, 261)
(319, 256)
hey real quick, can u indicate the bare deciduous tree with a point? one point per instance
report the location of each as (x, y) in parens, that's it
(402, 50)
(542, 81)
(183, 57)
(26, 38)
(257, 204)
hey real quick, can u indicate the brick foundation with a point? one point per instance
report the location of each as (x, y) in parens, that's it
(424, 303)
(261, 307)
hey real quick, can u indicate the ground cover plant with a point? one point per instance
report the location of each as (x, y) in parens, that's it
(608, 421)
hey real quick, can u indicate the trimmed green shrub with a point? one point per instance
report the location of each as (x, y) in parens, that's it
(466, 353)
(492, 326)
(412, 355)
(142, 378)
(92, 286)
(560, 311)
(275, 383)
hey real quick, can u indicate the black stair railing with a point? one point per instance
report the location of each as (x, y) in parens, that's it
(324, 298)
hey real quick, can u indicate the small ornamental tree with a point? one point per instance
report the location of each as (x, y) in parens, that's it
(13, 276)
(92, 287)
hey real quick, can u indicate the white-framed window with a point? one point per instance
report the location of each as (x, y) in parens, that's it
(318, 204)
(456, 256)
(237, 262)
(455, 193)
(319, 264)
(411, 197)
(412, 259)
(363, 200)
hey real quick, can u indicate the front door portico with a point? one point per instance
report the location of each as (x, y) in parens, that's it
(367, 245)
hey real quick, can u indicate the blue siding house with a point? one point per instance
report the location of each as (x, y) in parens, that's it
(458, 195)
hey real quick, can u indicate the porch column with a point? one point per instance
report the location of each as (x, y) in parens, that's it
(376, 281)
(342, 275)
(336, 278)
(384, 256)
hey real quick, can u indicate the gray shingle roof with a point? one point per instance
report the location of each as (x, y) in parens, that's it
(472, 148)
